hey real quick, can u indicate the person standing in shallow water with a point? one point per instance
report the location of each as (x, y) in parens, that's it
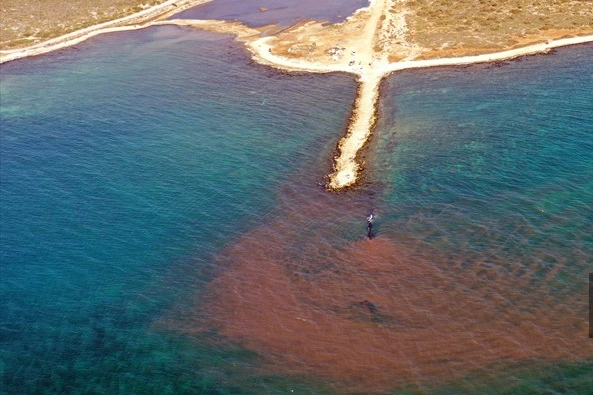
(370, 220)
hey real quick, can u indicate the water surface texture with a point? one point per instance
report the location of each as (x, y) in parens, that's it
(125, 164)
(164, 231)
(477, 276)
(277, 12)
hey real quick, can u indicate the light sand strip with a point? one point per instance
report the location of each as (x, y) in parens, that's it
(485, 58)
(370, 73)
(362, 122)
(346, 167)
(360, 127)
(135, 21)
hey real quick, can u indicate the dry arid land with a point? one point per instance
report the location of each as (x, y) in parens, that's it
(446, 25)
(386, 36)
(29, 22)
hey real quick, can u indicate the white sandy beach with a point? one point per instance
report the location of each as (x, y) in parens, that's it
(359, 58)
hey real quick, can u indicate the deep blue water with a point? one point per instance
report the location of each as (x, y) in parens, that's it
(129, 162)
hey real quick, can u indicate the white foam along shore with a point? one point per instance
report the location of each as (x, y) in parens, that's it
(346, 168)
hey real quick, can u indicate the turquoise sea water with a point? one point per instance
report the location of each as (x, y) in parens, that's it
(126, 164)
(140, 171)
(508, 152)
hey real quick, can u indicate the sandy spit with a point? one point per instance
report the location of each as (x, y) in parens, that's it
(369, 67)
(346, 165)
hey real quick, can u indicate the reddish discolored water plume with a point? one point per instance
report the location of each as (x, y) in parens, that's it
(371, 315)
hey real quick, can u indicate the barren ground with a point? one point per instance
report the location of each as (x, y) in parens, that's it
(477, 26)
(28, 22)
(424, 29)
(432, 28)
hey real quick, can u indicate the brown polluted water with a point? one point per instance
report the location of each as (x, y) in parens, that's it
(371, 315)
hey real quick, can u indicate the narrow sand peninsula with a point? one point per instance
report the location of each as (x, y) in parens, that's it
(346, 166)
(361, 46)
(364, 58)
(371, 44)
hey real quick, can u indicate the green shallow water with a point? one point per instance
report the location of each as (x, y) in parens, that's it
(136, 166)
